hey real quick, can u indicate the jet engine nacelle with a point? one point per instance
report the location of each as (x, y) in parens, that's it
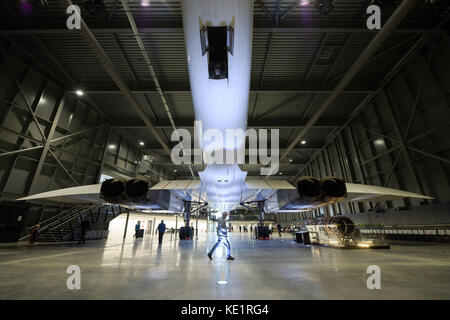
(344, 225)
(310, 194)
(309, 189)
(333, 189)
(113, 190)
(137, 190)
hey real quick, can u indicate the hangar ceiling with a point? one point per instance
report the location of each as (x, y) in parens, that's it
(298, 58)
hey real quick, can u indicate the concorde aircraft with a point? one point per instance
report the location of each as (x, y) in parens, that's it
(218, 36)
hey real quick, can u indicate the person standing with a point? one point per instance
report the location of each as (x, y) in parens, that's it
(161, 230)
(222, 233)
(137, 227)
(279, 229)
(84, 225)
(240, 228)
(34, 234)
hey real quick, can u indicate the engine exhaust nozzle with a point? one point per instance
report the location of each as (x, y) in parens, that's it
(113, 190)
(136, 190)
(308, 188)
(333, 188)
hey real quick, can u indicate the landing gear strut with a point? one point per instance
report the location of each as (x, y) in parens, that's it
(187, 232)
(261, 231)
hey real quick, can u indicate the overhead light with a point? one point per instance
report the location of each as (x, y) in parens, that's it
(174, 170)
(303, 142)
(304, 2)
(290, 160)
(280, 173)
(324, 7)
(79, 93)
(112, 146)
(222, 282)
(145, 3)
(141, 143)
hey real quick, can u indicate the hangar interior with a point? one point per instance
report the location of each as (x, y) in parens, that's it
(65, 122)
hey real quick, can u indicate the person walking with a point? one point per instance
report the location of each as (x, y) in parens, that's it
(84, 225)
(161, 230)
(222, 233)
(279, 229)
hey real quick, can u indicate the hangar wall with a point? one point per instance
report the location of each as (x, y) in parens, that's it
(74, 145)
(80, 134)
(400, 138)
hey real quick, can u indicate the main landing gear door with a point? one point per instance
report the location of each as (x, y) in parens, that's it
(217, 41)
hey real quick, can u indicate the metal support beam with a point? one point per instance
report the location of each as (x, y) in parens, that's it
(263, 74)
(30, 109)
(90, 39)
(149, 64)
(261, 213)
(277, 13)
(266, 11)
(37, 172)
(294, 6)
(347, 27)
(279, 106)
(126, 224)
(387, 29)
(316, 57)
(187, 213)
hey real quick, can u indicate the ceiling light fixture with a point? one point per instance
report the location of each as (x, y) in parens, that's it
(303, 142)
(145, 3)
(79, 93)
(141, 143)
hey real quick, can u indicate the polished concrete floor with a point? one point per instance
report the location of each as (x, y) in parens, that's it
(274, 269)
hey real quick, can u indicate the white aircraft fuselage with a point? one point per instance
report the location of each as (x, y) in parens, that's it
(220, 103)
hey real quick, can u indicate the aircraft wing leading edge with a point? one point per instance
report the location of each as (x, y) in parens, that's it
(278, 195)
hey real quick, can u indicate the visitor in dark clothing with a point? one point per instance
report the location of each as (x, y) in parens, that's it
(161, 230)
(34, 234)
(83, 227)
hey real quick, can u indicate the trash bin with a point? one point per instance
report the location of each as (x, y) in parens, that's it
(302, 237)
(299, 237)
(186, 233)
(306, 239)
